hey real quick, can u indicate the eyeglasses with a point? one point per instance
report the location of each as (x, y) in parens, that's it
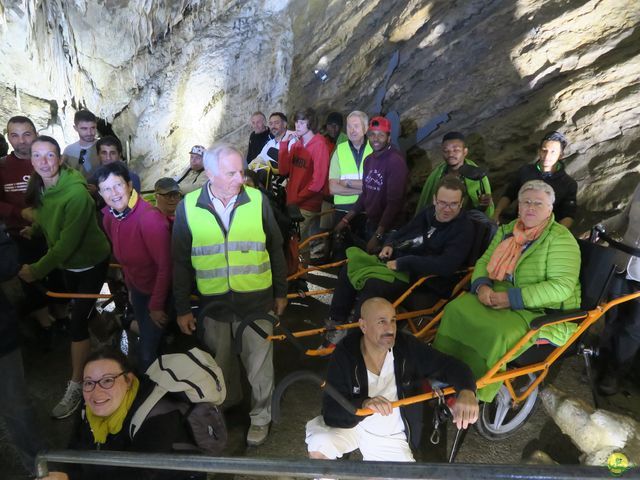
(536, 204)
(81, 158)
(117, 188)
(171, 195)
(449, 205)
(105, 382)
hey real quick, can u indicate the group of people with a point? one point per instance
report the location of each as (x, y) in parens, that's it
(71, 213)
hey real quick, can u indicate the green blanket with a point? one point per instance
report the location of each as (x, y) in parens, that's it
(480, 336)
(362, 266)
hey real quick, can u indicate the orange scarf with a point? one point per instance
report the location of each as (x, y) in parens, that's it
(506, 255)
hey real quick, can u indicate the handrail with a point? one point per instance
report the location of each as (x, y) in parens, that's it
(306, 468)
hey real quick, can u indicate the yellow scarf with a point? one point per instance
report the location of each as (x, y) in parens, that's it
(103, 426)
(133, 199)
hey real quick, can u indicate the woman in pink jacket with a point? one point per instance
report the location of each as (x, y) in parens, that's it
(141, 241)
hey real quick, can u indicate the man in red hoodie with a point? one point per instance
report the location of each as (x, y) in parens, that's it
(307, 165)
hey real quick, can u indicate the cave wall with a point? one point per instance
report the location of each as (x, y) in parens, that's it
(502, 72)
(166, 74)
(169, 74)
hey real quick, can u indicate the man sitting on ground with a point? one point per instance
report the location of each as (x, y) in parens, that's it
(372, 368)
(437, 241)
(550, 169)
(193, 178)
(454, 152)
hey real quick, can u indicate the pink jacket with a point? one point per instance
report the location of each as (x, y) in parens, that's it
(142, 245)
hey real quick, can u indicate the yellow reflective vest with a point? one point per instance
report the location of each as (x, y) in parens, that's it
(349, 170)
(238, 261)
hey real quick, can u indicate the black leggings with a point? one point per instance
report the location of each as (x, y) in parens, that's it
(89, 281)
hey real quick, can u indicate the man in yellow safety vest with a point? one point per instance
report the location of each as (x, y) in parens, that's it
(226, 237)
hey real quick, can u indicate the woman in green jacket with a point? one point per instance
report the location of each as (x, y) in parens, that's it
(532, 263)
(65, 214)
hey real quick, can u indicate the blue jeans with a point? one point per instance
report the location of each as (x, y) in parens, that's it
(150, 333)
(17, 412)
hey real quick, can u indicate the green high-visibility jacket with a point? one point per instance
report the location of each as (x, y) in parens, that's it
(237, 261)
(349, 170)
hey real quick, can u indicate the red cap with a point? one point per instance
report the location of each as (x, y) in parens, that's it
(380, 124)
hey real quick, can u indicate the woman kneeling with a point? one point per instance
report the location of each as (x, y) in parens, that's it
(112, 394)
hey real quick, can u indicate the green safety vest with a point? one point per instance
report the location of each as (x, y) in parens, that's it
(238, 261)
(348, 169)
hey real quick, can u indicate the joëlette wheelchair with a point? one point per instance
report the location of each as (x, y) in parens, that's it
(416, 310)
(522, 374)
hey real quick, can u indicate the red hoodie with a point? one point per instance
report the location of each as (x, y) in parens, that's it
(14, 176)
(308, 170)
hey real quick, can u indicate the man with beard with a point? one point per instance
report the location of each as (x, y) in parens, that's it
(82, 155)
(373, 368)
(265, 164)
(454, 153)
(437, 241)
(383, 187)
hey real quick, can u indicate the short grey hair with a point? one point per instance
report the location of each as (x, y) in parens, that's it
(211, 157)
(540, 186)
(364, 118)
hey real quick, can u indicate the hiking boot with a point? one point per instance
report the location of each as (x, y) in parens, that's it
(257, 435)
(70, 401)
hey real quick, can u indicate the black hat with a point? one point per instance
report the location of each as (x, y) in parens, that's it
(335, 118)
(166, 185)
(453, 136)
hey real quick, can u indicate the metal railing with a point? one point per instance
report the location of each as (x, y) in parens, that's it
(270, 467)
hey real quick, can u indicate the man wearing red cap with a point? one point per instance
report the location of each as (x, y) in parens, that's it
(383, 186)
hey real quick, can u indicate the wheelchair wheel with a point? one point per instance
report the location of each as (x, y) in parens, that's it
(499, 419)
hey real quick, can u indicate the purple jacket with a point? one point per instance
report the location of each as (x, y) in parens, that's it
(142, 245)
(384, 182)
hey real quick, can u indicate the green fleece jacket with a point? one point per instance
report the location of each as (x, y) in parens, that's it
(473, 188)
(67, 219)
(547, 273)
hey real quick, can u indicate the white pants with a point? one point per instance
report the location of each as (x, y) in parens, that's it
(335, 442)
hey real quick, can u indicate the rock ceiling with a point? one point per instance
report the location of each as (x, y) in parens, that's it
(168, 74)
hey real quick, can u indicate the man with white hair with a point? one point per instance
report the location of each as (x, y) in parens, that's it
(226, 237)
(347, 165)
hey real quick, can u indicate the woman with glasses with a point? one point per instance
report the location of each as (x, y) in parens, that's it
(112, 393)
(532, 263)
(141, 241)
(65, 215)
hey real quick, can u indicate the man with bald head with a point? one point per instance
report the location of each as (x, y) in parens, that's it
(372, 368)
